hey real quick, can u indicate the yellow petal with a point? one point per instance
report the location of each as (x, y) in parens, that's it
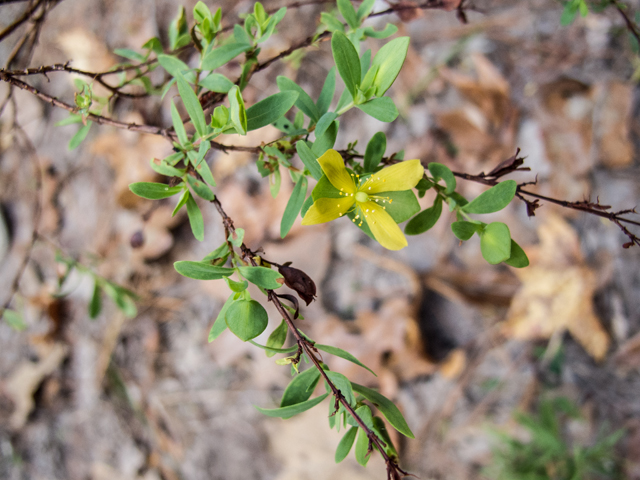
(327, 209)
(333, 167)
(382, 226)
(401, 176)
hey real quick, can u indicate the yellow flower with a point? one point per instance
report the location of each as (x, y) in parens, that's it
(365, 197)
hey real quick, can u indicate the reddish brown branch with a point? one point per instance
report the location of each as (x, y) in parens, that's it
(393, 469)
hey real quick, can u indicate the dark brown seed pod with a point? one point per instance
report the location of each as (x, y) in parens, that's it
(299, 281)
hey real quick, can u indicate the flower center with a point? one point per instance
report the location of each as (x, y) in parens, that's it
(362, 197)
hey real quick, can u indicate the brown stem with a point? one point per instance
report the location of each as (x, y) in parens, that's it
(393, 470)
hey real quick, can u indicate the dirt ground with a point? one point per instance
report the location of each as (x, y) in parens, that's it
(455, 342)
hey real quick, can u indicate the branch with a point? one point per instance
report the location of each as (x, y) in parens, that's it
(631, 26)
(393, 469)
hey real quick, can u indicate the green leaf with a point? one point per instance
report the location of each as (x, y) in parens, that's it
(273, 351)
(95, 305)
(306, 206)
(309, 159)
(381, 108)
(262, 276)
(425, 219)
(518, 258)
(389, 60)
(13, 319)
(270, 109)
(236, 238)
(495, 243)
(301, 387)
(342, 383)
(303, 101)
(130, 54)
(236, 287)
(344, 447)
(325, 122)
(154, 191)
(277, 338)
(328, 89)
(201, 189)
(181, 202)
(175, 67)
(216, 82)
(237, 111)
(465, 230)
(386, 407)
(290, 411)
(348, 13)
(221, 55)
(220, 325)
(274, 182)
(293, 206)
(374, 152)
(192, 104)
(201, 270)
(80, 135)
(71, 119)
(241, 36)
(195, 219)
(338, 352)
(178, 126)
(365, 9)
(347, 61)
(494, 199)
(440, 171)
(389, 30)
(362, 448)
(122, 298)
(162, 168)
(246, 319)
(568, 14)
(327, 141)
(220, 252)
(205, 172)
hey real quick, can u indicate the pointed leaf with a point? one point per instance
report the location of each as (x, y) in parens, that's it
(381, 108)
(374, 152)
(309, 159)
(293, 206)
(518, 258)
(220, 325)
(347, 61)
(338, 352)
(290, 411)
(389, 60)
(425, 219)
(262, 276)
(221, 55)
(344, 447)
(328, 89)
(154, 191)
(303, 102)
(270, 109)
(494, 199)
(386, 407)
(202, 270)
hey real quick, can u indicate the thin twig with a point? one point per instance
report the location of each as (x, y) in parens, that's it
(631, 26)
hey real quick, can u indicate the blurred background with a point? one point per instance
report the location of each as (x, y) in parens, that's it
(464, 348)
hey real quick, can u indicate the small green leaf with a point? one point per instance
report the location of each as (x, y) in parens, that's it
(236, 238)
(175, 67)
(518, 258)
(220, 325)
(301, 387)
(195, 219)
(273, 351)
(270, 109)
(277, 338)
(362, 448)
(365, 9)
(220, 252)
(386, 407)
(236, 286)
(71, 119)
(216, 82)
(348, 13)
(122, 298)
(303, 101)
(290, 411)
(201, 270)
(293, 206)
(306, 206)
(95, 305)
(374, 152)
(309, 159)
(494, 199)
(327, 141)
(569, 14)
(325, 121)
(440, 171)
(181, 202)
(275, 179)
(246, 319)
(388, 30)
(80, 135)
(237, 111)
(163, 168)
(338, 352)
(381, 108)
(344, 447)
(347, 61)
(201, 189)
(13, 319)
(495, 243)
(154, 191)
(425, 220)
(192, 104)
(130, 54)
(342, 383)
(464, 230)
(178, 126)
(262, 276)
(328, 89)
(221, 55)
(389, 60)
